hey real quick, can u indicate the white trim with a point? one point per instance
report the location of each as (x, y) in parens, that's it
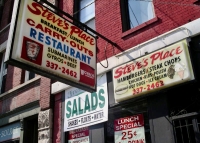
(188, 30)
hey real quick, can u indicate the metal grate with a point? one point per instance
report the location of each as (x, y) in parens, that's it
(186, 130)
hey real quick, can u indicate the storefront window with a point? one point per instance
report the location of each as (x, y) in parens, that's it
(132, 123)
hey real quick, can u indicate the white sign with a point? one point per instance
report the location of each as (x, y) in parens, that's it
(51, 46)
(83, 109)
(164, 68)
(79, 136)
(130, 129)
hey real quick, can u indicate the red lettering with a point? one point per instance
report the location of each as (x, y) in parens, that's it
(178, 51)
(90, 53)
(56, 35)
(172, 53)
(79, 32)
(164, 54)
(139, 65)
(37, 9)
(154, 57)
(145, 62)
(118, 72)
(30, 22)
(131, 67)
(74, 29)
(92, 41)
(39, 26)
(47, 30)
(88, 39)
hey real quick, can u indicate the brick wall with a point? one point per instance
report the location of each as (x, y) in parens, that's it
(20, 97)
(13, 77)
(170, 14)
(45, 90)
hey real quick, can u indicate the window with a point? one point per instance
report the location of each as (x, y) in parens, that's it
(135, 12)
(3, 73)
(27, 75)
(84, 10)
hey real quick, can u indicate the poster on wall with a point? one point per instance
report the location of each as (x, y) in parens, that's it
(83, 109)
(79, 136)
(47, 44)
(161, 69)
(130, 129)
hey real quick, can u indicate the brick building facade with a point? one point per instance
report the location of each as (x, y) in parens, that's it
(171, 115)
(36, 108)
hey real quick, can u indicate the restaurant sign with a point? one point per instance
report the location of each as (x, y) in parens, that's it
(47, 44)
(164, 68)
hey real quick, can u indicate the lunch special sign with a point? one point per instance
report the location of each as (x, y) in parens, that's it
(84, 109)
(163, 68)
(49, 44)
(80, 135)
(130, 129)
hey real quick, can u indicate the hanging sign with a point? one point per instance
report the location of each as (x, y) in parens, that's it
(79, 136)
(130, 129)
(84, 109)
(164, 68)
(47, 44)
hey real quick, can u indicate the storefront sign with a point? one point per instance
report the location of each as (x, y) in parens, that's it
(51, 46)
(161, 69)
(9, 132)
(130, 129)
(79, 136)
(83, 109)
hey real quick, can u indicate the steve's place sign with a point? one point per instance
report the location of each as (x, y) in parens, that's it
(158, 70)
(52, 46)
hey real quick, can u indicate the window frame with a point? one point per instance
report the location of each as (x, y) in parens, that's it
(76, 15)
(126, 20)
